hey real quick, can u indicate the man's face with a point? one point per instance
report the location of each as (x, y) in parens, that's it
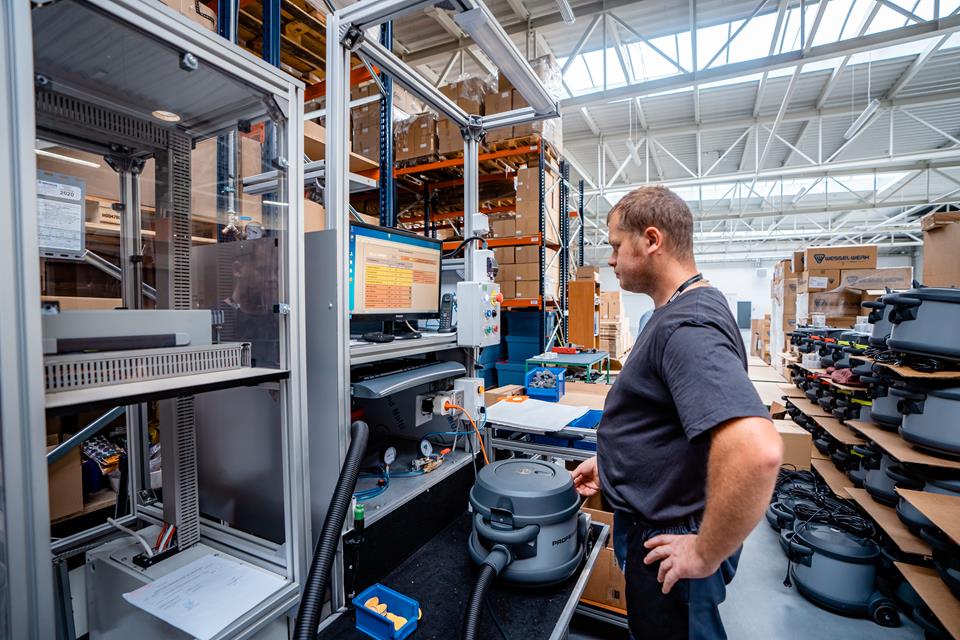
(630, 257)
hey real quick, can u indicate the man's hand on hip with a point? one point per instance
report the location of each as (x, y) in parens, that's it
(679, 558)
(586, 478)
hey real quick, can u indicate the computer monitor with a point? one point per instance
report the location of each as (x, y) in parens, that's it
(394, 275)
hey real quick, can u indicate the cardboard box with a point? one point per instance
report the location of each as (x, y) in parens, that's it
(492, 396)
(206, 17)
(796, 443)
(530, 254)
(416, 137)
(819, 280)
(469, 94)
(508, 290)
(504, 255)
(858, 256)
(498, 102)
(611, 303)
(796, 263)
(65, 487)
(449, 138)
(941, 239)
(606, 585)
(545, 67)
(588, 273)
(841, 303)
(314, 216)
(503, 228)
(869, 279)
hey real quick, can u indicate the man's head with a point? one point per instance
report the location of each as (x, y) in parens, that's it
(651, 231)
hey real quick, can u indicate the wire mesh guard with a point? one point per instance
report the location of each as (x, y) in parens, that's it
(88, 370)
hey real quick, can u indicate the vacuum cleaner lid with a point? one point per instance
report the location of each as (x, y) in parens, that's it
(533, 491)
(838, 544)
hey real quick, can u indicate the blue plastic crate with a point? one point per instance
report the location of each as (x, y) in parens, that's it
(489, 374)
(377, 626)
(490, 355)
(522, 348)
(525, 323)
(589, 420)
(586, 445)
(510, 373)
(550, 394)
(552, 441)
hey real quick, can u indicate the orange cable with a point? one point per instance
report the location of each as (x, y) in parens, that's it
(483, 447)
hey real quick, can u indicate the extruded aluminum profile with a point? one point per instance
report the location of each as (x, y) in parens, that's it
(517, 116)
(410, 80)
(370, 13)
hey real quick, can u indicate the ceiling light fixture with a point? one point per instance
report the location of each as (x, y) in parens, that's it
(566, 12)
(490, 36)
(276, 203)
(57, 156)
(166, 116)
(862, 119)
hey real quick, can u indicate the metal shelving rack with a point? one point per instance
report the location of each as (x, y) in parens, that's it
(329, 352)
(25, 546)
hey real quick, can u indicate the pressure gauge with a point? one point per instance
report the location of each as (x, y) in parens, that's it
(426, 449)
(388, 455)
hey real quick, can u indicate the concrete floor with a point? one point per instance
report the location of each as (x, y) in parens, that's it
(759, 607)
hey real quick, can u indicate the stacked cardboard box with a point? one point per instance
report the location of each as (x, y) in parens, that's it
(941, 239)
(416, 137)
(615, 336)
(469, 94)
(521, 278)
(527, 220)
(611, 305)
(761, 331)
(506, 98)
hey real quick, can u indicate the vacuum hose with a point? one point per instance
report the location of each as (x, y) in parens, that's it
(494, 563)
(308, 617)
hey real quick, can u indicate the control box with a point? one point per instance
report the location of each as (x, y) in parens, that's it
(478, 314)
(472, 390)
(485, 265)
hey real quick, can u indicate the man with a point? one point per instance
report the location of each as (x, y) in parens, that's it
(687, 455)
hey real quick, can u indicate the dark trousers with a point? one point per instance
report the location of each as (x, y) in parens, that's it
(690, 609)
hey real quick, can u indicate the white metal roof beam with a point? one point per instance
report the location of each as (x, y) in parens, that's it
(909, 15)
(799, 115)
(826, 51)
(645, 40)
(729, 40)
(918, 63)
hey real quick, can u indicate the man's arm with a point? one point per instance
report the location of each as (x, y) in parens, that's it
(742, 468)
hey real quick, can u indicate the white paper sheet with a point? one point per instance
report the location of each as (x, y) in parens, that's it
(203, 597)
(534, 415)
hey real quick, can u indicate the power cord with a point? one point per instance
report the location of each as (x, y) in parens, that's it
(460, 246)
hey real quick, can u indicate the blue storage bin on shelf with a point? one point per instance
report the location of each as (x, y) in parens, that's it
(377, 626)
(552, 441)
(520, 348)
(489, 374)
(525, 323)
(510, 373)
(490, 355)
(589, 420)
(550, 394)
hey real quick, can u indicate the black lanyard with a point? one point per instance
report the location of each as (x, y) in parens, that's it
(686, 285)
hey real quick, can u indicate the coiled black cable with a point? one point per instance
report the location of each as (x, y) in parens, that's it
(314, 589)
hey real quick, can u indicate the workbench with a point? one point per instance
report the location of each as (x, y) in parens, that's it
(585, 360)
(440, 576)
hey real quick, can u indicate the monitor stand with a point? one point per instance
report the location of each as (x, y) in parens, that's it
(400, 330)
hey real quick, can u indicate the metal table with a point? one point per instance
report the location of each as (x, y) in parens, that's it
(440, 575)
(586, 360)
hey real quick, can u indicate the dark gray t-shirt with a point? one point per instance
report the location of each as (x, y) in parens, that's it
(686, 375)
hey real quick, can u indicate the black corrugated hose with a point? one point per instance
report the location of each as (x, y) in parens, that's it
(308, 617)
(495, 562)
(471, 619)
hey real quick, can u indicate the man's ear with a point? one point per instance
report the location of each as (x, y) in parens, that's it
(653, 238)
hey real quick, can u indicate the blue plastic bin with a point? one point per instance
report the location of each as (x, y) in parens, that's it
(552, 394)
(525, 323)
(510, 373)
(521, 348)
(552, 441)
(489, 374)
(377, 626)
(490, 355)
(589, 420)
